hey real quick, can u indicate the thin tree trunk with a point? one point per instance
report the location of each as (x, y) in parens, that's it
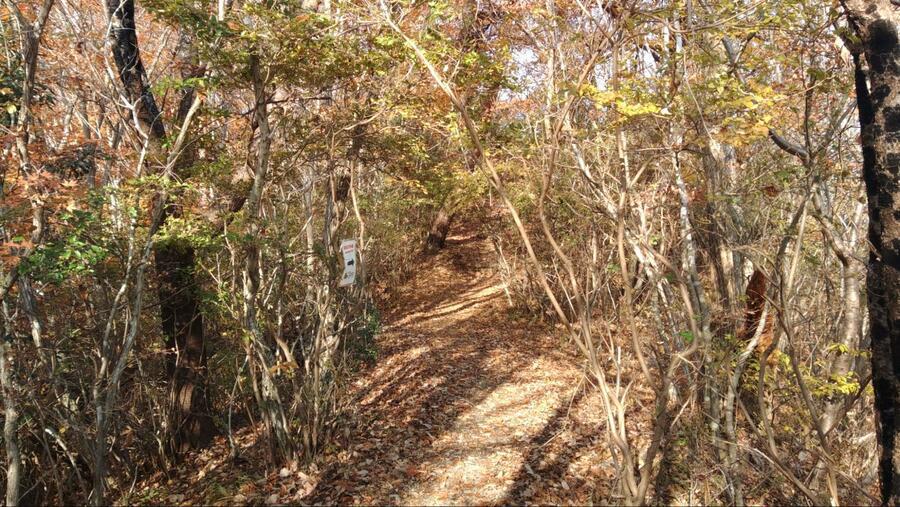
(32, 32)
(842, 364)
(10, 424)
(477, 19)
(262, 356)
(106, 395)
(720, 162)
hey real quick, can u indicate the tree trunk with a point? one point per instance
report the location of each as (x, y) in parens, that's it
(10, 425)
(440, 228)
(190, 425)
(843, 360)
(262, 358)
(877, 24)
(720, 164)
(32, 32)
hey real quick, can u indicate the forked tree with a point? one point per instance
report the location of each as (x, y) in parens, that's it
(190, 424)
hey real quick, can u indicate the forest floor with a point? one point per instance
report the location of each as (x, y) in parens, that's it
(465, 404)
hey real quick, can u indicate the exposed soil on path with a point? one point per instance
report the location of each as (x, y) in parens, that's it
(465, 404)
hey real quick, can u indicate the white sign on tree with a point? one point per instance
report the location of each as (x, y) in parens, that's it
(348, 248)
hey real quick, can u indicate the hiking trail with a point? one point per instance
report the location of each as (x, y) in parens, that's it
(465, 404)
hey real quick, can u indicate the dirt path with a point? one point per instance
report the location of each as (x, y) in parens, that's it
(465, 404)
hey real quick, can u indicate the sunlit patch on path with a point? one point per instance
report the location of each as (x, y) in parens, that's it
(476, 461)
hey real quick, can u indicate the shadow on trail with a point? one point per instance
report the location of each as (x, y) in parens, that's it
(538, 469)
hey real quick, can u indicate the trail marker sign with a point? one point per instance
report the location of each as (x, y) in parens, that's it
(348, 248)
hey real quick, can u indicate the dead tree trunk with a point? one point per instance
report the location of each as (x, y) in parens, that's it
(190, 425)
(877, 24)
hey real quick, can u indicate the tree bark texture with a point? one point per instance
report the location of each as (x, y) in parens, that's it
(10, 424)
(877, 24)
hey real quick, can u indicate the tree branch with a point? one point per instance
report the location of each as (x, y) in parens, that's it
(791, 148)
